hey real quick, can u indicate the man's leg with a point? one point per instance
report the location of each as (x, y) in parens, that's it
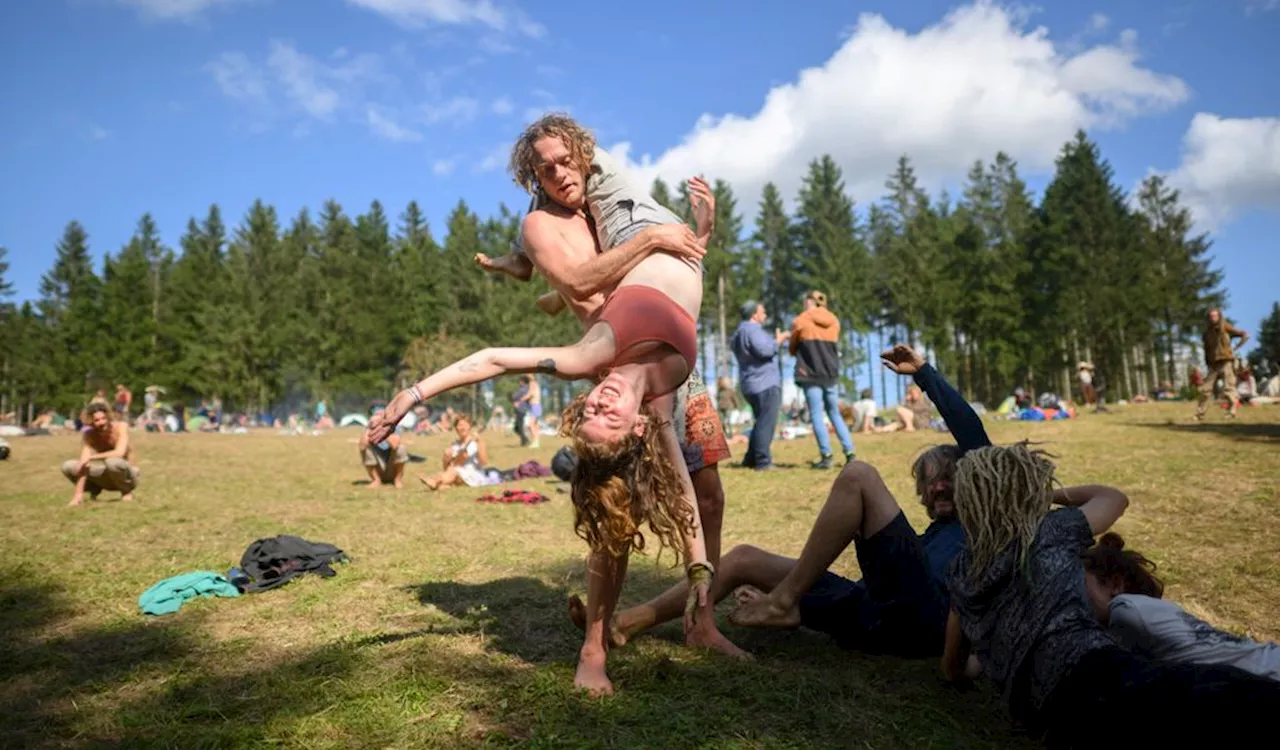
(1206, 392)
(832, 401)
(754, 453)
(118, 476)
(813, 397)
(605, 574)
(770, 405)
(371, 468)
(859, 505)
(1229, 387)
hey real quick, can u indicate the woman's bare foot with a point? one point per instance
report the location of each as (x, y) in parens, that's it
(757, 609)
(578, 614)
(708, 636)
(126, 497)
(77, 500)
(591, 675)
(431, 485)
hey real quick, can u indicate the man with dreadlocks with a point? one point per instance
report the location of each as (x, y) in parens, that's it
(900, 605)
(1020, 602)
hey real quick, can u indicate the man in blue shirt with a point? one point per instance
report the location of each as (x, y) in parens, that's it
(901, 604)
(759, 380)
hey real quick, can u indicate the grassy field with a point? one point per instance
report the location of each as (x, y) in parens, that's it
(448, 629)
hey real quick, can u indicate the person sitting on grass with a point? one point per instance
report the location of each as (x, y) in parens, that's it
(384, 461)
(1019, 602)
(106, 458)
(1128, 600)
(464, 461)
(899, 606)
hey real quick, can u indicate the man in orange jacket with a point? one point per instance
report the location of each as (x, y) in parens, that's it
(814, 336)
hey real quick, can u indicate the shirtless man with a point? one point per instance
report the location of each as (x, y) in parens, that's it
(106, 460)
(562, 243)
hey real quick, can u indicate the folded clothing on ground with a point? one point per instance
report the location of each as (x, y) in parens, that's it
(273, 562)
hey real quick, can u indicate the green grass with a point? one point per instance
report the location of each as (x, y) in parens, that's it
(449, 628)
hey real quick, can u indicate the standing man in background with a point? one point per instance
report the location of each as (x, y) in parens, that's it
(813, 343)
(759, 380)
(124, 399)
(1221, 359)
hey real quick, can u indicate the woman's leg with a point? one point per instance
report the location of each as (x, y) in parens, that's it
(605, 574)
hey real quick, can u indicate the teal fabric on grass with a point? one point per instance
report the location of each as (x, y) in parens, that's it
(167, 597)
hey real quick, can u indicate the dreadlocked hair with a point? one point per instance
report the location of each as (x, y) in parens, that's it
(618, 486)
(524, 160)
(1109, 561)
(1001, 495)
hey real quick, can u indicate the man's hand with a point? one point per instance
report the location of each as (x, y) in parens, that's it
(676, 239)
(703, 202)
(902, 359)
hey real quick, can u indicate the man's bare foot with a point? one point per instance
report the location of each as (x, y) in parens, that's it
(591, 675)
(77, 500)
(757, 609)
(710, 637)
(126, 497)
(578, 614)
(374, 485)
(517, 267)
(399, 484)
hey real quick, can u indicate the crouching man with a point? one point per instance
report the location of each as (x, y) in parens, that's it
(106, 459)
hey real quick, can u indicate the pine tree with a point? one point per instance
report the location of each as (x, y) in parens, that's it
(1265, 358)
(773, 238)
(720, 293)
(662, 194)
(129, 311)
(192, 332)
(420, 270)
(71, 307)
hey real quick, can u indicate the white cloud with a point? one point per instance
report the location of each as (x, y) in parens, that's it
(98, 133)
(976, 82)
(456, 111)
(494, 160)
(384, 124)
(301, 77)
(238, 78)
(174, 10)
(416, 14)
(1099, 22)
(1229, 165)
(501, 106)
(443, 167)
(1252, 7)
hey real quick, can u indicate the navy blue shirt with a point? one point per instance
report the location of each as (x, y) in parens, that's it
(944, 540)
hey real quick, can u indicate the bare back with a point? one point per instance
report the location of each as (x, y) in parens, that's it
(678, 278)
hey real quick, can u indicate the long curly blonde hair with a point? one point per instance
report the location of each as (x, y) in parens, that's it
(1002, 495)
(524, 160)
(619, 486)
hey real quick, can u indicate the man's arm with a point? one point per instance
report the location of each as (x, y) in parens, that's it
(1237, 333)
(962, 420)
(761, 344)
(1102, 505)
(543, 245)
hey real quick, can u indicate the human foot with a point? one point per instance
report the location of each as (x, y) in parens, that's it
(710, 637)
(375, 484)
(430, 484)
(77, 500)
(578, 614)
(591, 675)
(126, 497)
(757, 609)
(399, 484)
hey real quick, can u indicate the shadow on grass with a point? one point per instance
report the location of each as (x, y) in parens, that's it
(1244, 431)
(164, 683)
(43, 668)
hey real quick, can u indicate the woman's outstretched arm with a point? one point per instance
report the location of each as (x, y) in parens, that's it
(582, 360)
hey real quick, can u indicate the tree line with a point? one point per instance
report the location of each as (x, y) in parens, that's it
(1001, 290)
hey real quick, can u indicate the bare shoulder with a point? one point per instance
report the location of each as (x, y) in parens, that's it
(538, 227)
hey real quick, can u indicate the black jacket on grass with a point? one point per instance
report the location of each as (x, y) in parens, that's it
(276, 561)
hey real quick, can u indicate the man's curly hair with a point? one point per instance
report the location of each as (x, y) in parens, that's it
(618, 486)
(524, 160)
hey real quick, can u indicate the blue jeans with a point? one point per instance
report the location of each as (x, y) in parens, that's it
(824, 398)
(764, 409)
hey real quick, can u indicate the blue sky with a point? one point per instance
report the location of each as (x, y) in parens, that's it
(119, 107)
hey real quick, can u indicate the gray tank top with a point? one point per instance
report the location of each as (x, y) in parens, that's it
(618, 206)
